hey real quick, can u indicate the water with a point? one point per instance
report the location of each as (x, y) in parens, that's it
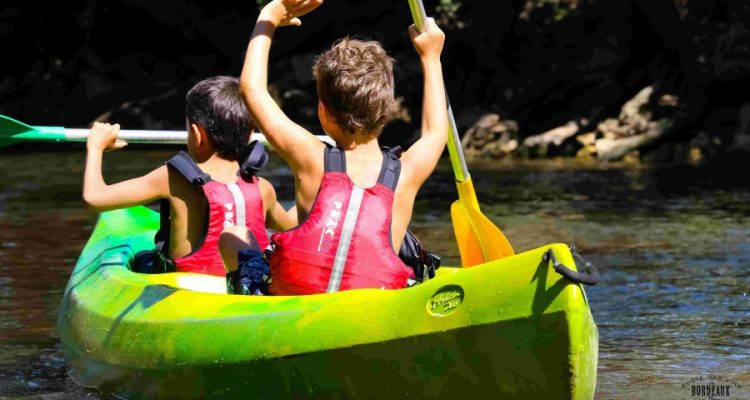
(672, 245)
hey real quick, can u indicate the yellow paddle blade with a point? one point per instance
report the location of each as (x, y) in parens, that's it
(468, 243)
(479, 239)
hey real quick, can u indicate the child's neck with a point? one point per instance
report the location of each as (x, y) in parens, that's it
(220, 169)
(363, 152)
(358, 143)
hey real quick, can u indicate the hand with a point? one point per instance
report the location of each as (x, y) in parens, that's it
(287, 12)
(103, 137)
(429, 44)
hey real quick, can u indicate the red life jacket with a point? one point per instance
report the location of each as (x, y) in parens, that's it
(345, 242)
(238, 203)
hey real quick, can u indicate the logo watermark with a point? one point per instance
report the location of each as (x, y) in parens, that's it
(711, 387)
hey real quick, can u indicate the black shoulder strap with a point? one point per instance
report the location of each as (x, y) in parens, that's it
(334, 159)
(185, 165)
(157, 260)
(391, 169)
(162, 235)
(252, 160)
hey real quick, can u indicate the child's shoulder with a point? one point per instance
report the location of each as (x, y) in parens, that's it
(266, 187)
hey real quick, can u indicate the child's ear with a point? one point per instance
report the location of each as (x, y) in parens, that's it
(198, 134)
(323, 116)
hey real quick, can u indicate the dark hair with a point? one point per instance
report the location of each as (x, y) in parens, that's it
(216, 105)
(355, 83)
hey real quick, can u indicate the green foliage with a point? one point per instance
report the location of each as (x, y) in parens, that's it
(447, 11)
(448, 6)
(561, 13)
(559, 9)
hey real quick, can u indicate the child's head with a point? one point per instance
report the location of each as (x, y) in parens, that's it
(355, 84)
(215, 104)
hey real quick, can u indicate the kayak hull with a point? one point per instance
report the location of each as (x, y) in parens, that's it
(509, 328)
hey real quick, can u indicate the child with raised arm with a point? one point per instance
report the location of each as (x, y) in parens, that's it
(203, 194)
(354, 201)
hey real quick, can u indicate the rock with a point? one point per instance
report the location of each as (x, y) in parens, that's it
(550, 142)
(610, 128)
(490, 137)
(635, 126)
(587, 138)
(587, 152)
(553, 136)
(669, 100)
(613, 149)
(509, 146)
(634, 112)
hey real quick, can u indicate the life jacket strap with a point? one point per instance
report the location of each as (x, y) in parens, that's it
(185, 165)
(391, 169)
(252, 160)
(334, 159)
(162, 235)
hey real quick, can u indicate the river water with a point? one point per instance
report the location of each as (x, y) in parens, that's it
(672, 244)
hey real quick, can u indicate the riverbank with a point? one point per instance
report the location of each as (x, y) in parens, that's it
(561, 71)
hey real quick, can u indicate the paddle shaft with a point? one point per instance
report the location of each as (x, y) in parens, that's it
(60, 134)
(479, 239)
(130, 136)
(455, 151)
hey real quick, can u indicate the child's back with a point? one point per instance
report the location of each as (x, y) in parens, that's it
(204, 193)
(355, 89)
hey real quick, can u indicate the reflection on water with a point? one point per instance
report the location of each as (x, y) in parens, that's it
(674, 252)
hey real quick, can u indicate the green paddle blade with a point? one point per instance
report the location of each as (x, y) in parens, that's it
(9, 128)
(13, 131)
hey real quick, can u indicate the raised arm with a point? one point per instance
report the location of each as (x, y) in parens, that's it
(294, 143)
(422, 157)
(97, 195)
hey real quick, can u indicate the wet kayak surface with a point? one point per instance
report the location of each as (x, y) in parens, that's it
(672, 244)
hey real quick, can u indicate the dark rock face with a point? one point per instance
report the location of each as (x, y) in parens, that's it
(539, 63)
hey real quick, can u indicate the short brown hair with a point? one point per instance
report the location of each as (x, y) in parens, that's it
(355, 83)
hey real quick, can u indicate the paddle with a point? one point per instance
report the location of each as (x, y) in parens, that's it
(13, 131)
(479, 240)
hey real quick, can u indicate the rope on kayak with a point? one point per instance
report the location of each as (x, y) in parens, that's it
(589, 277)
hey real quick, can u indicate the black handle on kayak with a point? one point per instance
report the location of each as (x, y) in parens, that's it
(589, 277)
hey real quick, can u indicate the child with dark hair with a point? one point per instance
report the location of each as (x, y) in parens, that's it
(355, 200)
(200, 195)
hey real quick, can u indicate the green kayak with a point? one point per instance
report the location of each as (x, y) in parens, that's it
(512, 328)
